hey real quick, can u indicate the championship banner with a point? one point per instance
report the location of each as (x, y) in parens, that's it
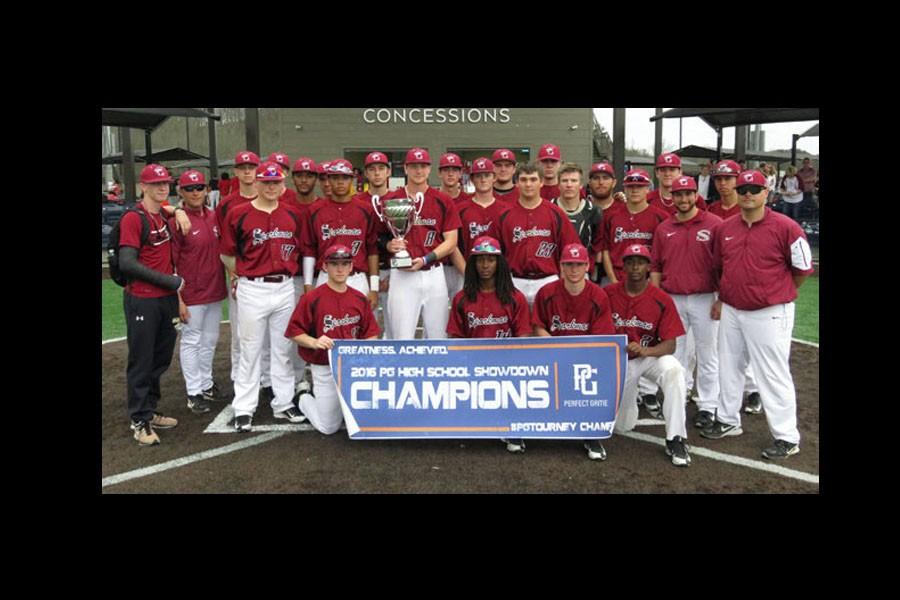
(553, 387)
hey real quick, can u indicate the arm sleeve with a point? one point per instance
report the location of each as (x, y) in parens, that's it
(128, 262)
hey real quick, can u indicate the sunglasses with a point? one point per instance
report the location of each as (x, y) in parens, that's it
(486, 247)
(753, 189)
(194, 188)
(636, 179)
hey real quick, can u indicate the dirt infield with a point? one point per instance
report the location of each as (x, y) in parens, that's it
(309, 462)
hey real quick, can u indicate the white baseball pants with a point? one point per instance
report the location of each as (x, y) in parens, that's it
(265, 312)
(323, 410)
(358, 281)
(455, 280)
(530, 287)
(694, 310)
(199, 337)
(234, 317)
(666, 372)
(415, 292)
(763, 336)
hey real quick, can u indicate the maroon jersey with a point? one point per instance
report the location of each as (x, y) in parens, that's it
(196, 257)
(476, 221)
(622, 229)
(757, 263)
(384, 257)
(351, 224)
(561, 313)
(339, 315)
(655, 199)
(533, 239)
(156, 254)
(510, 197)
(228, 203)
(723, 213)
(289, 196)
(487, 317)
(462, 198)
(264, 243)
(647, 319)
(439, 214)
(682, 253)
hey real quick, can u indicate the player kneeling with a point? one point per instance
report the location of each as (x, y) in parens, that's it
(574, 306)
(331, 311)
(489, 306)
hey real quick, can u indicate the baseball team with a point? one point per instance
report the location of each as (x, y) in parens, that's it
(532, 252)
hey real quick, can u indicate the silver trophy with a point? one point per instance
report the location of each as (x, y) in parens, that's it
(399, 215)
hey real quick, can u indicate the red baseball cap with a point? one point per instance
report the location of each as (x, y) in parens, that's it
(485, 245)
(549, 152)
(191, 177)
(322, 169)
(269, 171)
(504, 154)
(684, 183)
(637, 250)
(377, 158)
(305, 164)
(155, 174)
(245, 157)
(603, 167)
(726, 168)
(574, 253)
(338, 252)
(418, 156)
(280, 158)
(636, 177)
(753, 177)
(340, 167)
(450, 160)
(668, 159)
(482, 165)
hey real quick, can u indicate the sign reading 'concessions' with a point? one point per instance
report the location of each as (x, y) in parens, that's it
(439, 116)
(564, 388)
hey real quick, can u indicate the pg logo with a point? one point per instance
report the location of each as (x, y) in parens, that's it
(584, 382)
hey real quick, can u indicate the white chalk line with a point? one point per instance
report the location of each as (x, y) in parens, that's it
(122, 339)
(728, 458)
(222, 424)
(180, 462)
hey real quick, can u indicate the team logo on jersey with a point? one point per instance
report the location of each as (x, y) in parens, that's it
(329, 232)
(331, 322)
(260, 236)
(621, 234)
(584, 382)
(520, 234)
(426, 222)
(703, 235)
(474, 321)
(477, 229)
(556, 324)
(632, 322)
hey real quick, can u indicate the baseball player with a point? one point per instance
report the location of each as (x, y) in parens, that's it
(324, 183)
(505, 168)
(433, 236)
(196, 258)
(763, 257)
(282, 160)
(584, 216)
(574, 306)
(151, 305)
(533, 233)
(725, 181)
(668, 169)
(331, 311)
(682, 267)
(647, 315)
(341, 220)
(260, 243)
(377, 171)
(450, 171)
(479, 216)
(601, 192)
(489, 306)
(550, 158)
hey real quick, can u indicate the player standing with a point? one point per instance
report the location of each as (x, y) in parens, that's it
(505, 168)
(283, 161)
(433, 236)
(583, 214)
(533, 233)
(574, 306)
(331, 311)
(683, 268)
(763, 258)
(647, 315)
(450, 172)
(260, 242)
(668, 169)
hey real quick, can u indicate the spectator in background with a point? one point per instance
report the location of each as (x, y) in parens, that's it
(703, 181)
(713, 191)
(771, 181)
(792, 193)
(808, 177)
(212, 199)
(226, 185)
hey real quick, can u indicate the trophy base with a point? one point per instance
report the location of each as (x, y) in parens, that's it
(401, 262)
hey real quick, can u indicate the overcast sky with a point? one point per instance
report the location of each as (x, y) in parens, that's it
(640, 132)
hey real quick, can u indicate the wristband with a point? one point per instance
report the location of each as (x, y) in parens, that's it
(374, 283)
(432, 257)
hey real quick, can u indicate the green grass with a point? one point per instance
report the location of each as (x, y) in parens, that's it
(806, 317)
(113, 312)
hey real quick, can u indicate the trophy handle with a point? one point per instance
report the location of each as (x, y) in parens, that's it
(376, 206)
(419, 203)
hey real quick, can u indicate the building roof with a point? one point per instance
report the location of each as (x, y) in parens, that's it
(159, 156)
(148, 118)
(717, 118)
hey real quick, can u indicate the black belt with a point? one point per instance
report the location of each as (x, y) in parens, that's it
(271, 278)
(533, 275)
